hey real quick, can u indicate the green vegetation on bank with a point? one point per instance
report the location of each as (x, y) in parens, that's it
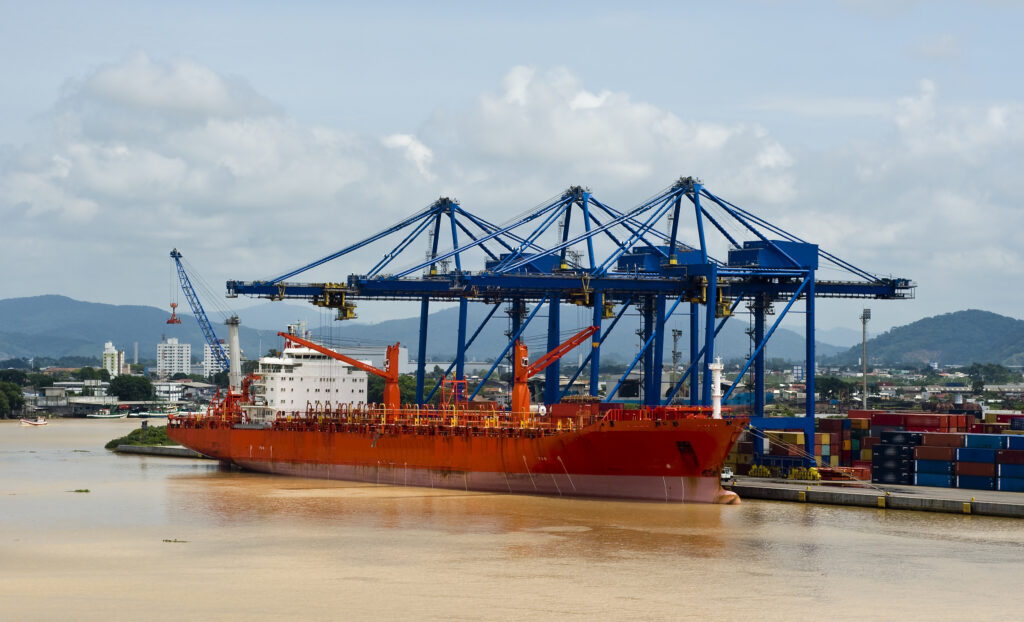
(153, 436)
(11, 399)
(132, 388)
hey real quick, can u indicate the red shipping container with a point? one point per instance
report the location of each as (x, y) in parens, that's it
(931, 421)
(862, 414)
(984, 469)
(869, 441)
(886, 419)
(1010, 456)
(946, 454)
(829, 425)
(936, 439)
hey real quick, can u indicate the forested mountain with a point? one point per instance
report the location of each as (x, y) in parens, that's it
(958, 338)
(56, 326)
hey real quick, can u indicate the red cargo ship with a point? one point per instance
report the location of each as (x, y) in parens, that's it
(669, 453)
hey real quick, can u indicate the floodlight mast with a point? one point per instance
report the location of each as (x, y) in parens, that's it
(864, 317)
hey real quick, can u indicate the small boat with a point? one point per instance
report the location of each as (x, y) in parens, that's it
(36, 421)
(109, 415)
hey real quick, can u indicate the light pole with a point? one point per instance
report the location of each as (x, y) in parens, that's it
(864, 317)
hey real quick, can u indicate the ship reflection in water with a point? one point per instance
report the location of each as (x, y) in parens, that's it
(546, 525)
(172, 539)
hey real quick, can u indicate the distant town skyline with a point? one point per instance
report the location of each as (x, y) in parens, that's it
(256, 138)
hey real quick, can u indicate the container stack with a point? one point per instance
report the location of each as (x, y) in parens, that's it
(924, 449)
(892, 460)
(741, 456)
(935, 458)
(950, 460)
(1010, 465)
(832, 445)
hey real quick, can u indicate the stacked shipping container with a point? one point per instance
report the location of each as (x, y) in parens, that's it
(926, 449)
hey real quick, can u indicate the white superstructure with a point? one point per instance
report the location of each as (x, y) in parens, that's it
(301, 377)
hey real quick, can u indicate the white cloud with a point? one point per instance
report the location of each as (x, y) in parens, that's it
(548, 126)
(415, 151)
(179, 86)
(145, 155)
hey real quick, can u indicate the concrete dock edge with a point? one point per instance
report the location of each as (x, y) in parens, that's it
(174, 451)
(952, 501)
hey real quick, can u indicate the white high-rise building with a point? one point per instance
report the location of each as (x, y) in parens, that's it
(113, 359)
(173, 357)
(210, 366)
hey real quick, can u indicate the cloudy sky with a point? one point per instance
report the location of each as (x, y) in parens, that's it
(256, 137)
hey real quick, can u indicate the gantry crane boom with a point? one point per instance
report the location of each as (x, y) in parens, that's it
(392, 395)
(524, 370)
(197, 310)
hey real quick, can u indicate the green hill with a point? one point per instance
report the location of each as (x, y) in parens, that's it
(56, 326)
(958, 338)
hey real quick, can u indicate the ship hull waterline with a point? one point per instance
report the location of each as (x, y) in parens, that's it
(642, 460)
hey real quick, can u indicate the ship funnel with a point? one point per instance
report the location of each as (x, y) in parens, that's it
(716, 388)
(234, 355)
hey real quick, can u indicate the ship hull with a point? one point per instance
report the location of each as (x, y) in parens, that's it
(677, 461)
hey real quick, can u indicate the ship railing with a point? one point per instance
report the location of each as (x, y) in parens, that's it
(410, 417)
(451, 419)
(660, 413)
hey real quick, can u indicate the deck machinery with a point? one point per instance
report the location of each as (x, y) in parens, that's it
(575, 249)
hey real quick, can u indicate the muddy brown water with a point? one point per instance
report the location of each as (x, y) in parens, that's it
(179, 539)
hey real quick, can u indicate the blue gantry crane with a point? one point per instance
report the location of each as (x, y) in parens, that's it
(200, 314)
(576, 249)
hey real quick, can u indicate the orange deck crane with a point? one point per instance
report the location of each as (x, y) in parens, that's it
(524, 371)
(392, 397)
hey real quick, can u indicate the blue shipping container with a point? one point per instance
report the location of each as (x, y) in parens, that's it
(934, 466)
(1010, 470)
(965, 454)
(977, 482)
(1015, 442)
(984, 441)
(1011, 484)
(1017, 423)
(934, 479)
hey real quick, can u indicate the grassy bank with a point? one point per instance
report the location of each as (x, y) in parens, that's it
(150, 436)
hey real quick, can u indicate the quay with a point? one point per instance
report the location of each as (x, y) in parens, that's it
(882, 496)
